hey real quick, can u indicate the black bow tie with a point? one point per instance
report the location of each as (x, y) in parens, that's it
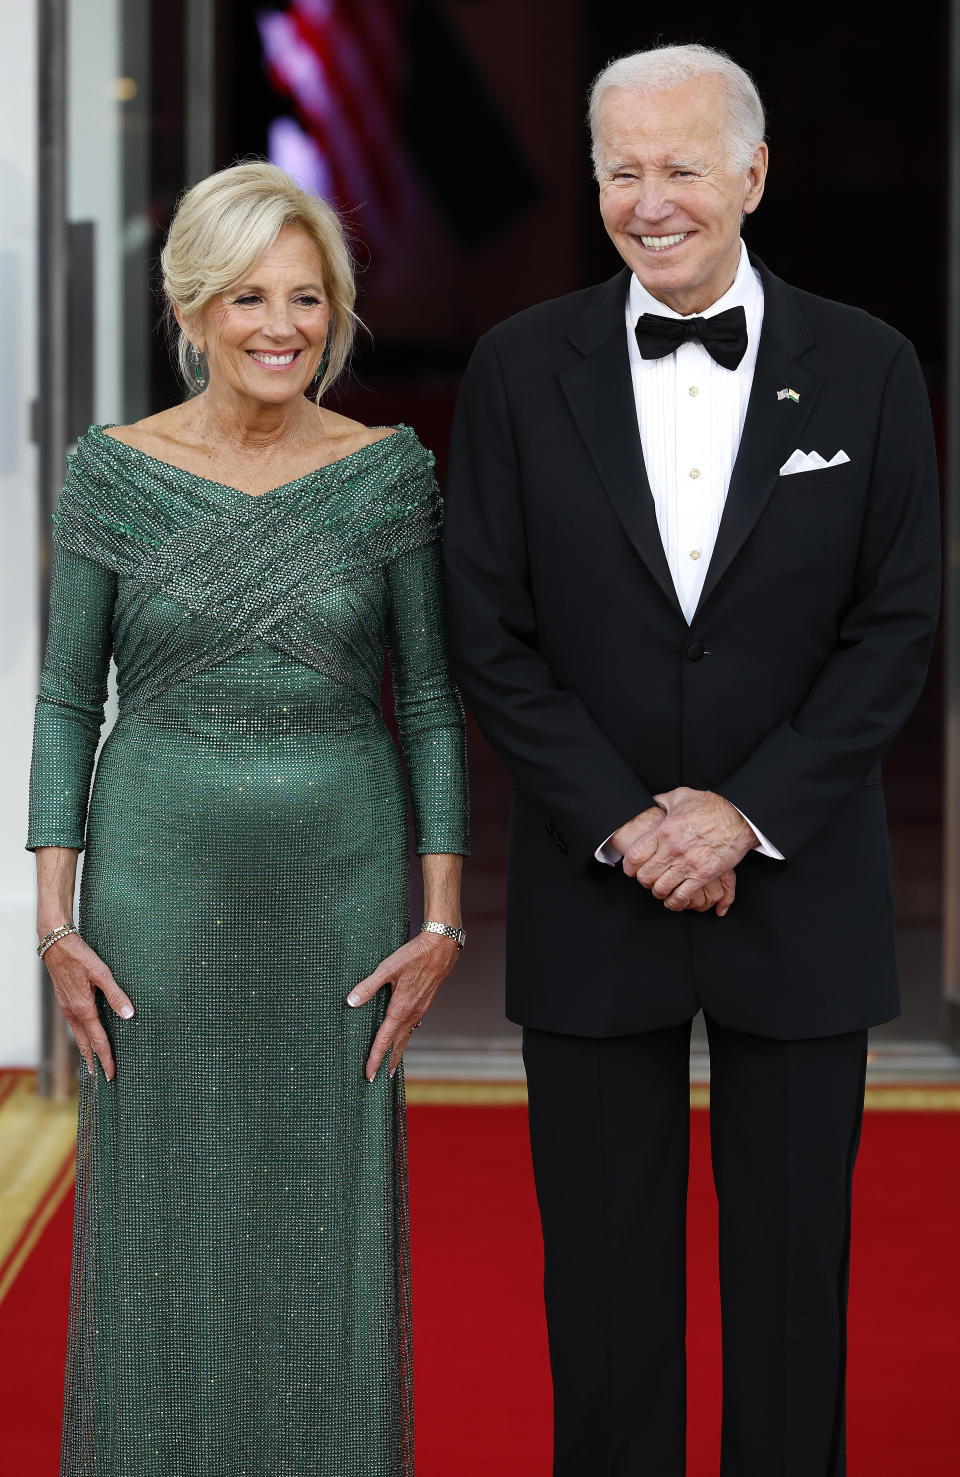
(724, 336)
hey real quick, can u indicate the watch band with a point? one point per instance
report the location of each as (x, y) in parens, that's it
(457, 934)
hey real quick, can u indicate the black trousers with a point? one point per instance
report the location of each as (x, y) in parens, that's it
(610, 1132)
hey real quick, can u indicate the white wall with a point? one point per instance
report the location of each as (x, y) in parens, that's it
(19, 992)
(94, 184)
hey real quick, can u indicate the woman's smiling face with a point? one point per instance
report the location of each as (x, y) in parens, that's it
(264, 338)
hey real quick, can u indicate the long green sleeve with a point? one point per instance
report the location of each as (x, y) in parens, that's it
(428, 709)
(73, 690)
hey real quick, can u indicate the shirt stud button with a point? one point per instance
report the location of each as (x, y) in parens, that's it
(694, 472)
(694, 553)
(694, 390)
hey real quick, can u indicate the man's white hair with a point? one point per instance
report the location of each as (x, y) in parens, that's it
(669, 66)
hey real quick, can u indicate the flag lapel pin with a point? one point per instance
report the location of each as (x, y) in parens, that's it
(788, 395)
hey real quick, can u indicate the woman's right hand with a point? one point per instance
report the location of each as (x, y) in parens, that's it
(77, 974)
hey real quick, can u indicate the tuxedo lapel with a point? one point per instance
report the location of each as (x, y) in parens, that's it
(599, 391)
(773, 427)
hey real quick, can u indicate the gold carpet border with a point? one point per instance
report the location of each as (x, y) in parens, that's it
(883, 1098)
(466, 1094)
(63, 1187)
(37, 1136)
(493, 1095)
(37, 1140)
(902, 1099)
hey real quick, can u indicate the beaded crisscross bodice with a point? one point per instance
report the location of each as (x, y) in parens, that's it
(222, 570)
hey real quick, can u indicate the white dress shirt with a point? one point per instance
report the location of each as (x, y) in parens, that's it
(690, 411)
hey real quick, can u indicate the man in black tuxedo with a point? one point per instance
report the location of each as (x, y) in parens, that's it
(692, 543)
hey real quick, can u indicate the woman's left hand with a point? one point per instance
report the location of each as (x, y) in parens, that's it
(416, 971)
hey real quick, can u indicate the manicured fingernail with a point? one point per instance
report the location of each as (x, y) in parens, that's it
(90, 1070)
(352, 1000)
(127, 1012)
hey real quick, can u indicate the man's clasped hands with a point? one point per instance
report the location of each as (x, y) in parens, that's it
(684, 849)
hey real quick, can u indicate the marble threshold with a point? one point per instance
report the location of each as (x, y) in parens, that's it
(497, 1059)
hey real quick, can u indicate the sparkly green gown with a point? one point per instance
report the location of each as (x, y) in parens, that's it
(240, 1302)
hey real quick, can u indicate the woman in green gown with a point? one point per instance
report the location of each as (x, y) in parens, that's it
(240, 1302)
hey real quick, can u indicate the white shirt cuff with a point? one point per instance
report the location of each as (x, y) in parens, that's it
(763, 847)
(607, 853)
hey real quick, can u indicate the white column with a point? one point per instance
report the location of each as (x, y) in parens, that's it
(98, 97)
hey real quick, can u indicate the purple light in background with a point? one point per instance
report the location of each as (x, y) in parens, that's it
(297, 153)
(293, 63)
(341, 64)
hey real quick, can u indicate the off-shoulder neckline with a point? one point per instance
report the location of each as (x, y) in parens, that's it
(137, 454)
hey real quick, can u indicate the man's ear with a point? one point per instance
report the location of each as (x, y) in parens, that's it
(756, 179)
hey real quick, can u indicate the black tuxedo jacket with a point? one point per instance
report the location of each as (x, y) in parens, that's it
(806, 653)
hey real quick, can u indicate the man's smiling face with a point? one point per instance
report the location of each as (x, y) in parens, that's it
(671, 197)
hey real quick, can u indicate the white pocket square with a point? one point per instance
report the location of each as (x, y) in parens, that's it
(810, 461)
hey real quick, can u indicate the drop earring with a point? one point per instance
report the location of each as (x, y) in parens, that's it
(321, 367)
(198, 371)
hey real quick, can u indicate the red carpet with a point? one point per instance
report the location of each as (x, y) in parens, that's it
(483, 1399)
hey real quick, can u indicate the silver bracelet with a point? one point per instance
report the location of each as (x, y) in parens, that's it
(54, 937)
(457, 934)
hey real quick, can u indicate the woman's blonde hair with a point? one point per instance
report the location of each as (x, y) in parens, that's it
(224, 224)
